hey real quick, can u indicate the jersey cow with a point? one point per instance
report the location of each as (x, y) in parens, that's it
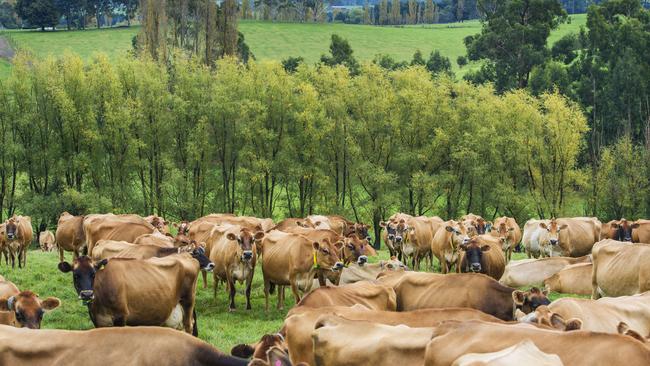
(446, 245)
(46, 241)
(573, 279)
(620, 268)
(70, 235)
(23, 308)
(114, 227)
(482, 254)
(508, 232)
(529, 272)
(641, 231)
(18, 235)
(569, 237)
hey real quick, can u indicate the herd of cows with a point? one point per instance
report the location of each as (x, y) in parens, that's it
(138, 280)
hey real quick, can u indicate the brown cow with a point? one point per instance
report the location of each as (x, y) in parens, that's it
(475, 224)
(523, 353)
(620, 268)
(446, 244)
(163, 240)
(368, 272)
(419, 233)
(374, 296)
(602, 315)
(108, 346)
(288, 224)
(508, 231)
(23, 308)
(299, 324)
(235, 256)
(572, 237)
(70, 235)
(155, 291)
(417, 290)
(249, 222)
(533, 231)
(453, 339)
(339, 224)
(573, 279)
(18, 236)
(529, 272)
(159, 223)
(46, 241)
(114, 227)
(641, 231)
(482, 254)
(620, 230)
(263, 351)
(390, 236)
(105, 249)
(291, 259)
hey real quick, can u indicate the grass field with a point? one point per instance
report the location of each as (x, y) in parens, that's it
(277, 41)
(216, 325)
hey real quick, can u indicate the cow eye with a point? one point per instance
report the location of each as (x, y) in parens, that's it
(390, 266)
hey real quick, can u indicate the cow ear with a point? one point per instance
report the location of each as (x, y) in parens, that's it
(242, 351)
(6, 304)
(65, 267)
(449, 228)
(557, 321)
(101, 264)
(635, 225)
(383, 223)
(277, 357)
(50, 303)
(564, 227)
(485, 248)
(573, 324)
(259, 235)
(338, 245)
(614, 225)
(543, 225)
(315, 245)
(519, 297)
(231, 236)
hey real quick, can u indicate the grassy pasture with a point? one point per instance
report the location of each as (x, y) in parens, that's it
(277, 41)
(216, 325)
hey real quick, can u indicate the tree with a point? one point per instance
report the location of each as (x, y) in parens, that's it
(383, 12)
(367, 14)
(246, 12)
(40, 13)
(438, 63)
(460, 10)
(395, 15)
(8, 16)
(513, 38)
(341, 54)
(429, 9)
(413, 12)
(291, 64)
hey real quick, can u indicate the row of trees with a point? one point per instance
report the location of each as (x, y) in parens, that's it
(182, 139)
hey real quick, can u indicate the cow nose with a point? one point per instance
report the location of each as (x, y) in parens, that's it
(476, 267)
(628, 238)
(248, 254)
(391, 237)
(465, 240)
(338, 266)
(209, 267)
(86, 294)
(362, 260)
(553, 241)
(398, 239)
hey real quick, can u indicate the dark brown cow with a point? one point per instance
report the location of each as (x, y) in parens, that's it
(23, 308)
(155, 291)
(431, 290)
(70, 235)
(620, 230)
(108, 346)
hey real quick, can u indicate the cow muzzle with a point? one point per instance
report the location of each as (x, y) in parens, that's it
(209, 267)
(362, 260)
(247, 256)
(391, 237)
(86, 295)
(475, 267)
(553, 241)
(398, 239)
(10, 236)
(338, 266)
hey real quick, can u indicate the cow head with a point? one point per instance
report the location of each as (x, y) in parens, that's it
(528, 301)
(459, 234)
(504, 233)
(392, 265)
(28, 308)
(354, 249)
(183, 227)
(624, 329)
(160, 224)
(623, 230)
(390, 227)
(474, 254)
(246, 241)
(83, 275)
(326, 255)
(197, 250)
(544, 316)
(553, 230)
(358, 229)
(401, 232)
(11, 228)
(259, 350)
(181, 240)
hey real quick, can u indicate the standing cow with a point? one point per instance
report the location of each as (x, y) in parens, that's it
(570, 237)
(70, 235)
(114, 227)
(418, 238)
(446, 244)
(508, 232)
(46, 241)
(17, 237)
(483, 255)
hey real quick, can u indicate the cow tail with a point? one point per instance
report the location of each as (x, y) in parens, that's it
(195, 327)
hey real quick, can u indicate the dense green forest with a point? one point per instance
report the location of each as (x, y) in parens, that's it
(561, 130)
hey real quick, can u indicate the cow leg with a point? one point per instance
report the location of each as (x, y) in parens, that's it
(294, 288)
(595, 294)
(267, 285)
(195, 326)
(13, 259)
(231, 287)
(281, 293)
(204, 274)
(249, 282)
(24, 255)
(215, 285)
(60, 254)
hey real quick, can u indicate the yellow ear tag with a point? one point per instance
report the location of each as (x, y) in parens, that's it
(315, 263)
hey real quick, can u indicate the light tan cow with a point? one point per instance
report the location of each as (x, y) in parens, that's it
(3, 246)
(17, 238)
(163, 240)
(620, 268)
(532, 272)
(70, 235)
(573, 279)
(332, 222)
(419, 237)
(509, 234)
(446, 245)
(292, 259)
(159, 223)
(155, 291)
(453, 339)
(114, 227)
(368, 272)
(523, 353)
(46, 241)
(373, 295)
(533, 230)
(602, 315)
(339, 341)
(23, 308)
(249, 222)
(108, 346)
(570, 237)
(641, 231)
(299, 324)
(235, 256)
(483, 254)
(475, 224)
(105, 249)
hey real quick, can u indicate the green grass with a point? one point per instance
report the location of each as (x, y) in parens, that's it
(277, 41)
(216, 325)
(5, 68)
